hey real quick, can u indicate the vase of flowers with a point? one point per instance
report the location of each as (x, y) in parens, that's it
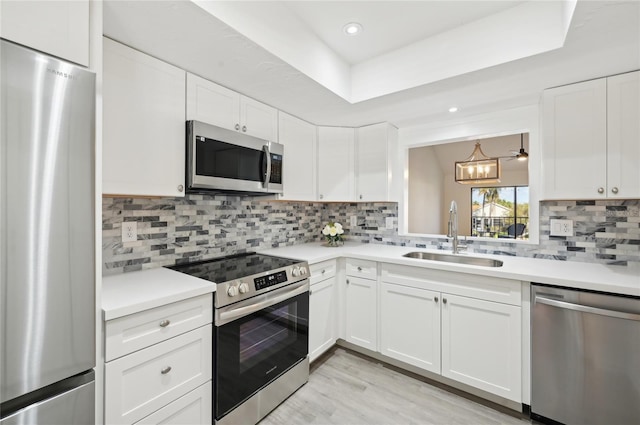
(333, 232)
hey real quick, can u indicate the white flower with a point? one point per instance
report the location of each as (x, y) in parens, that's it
(333, 231)
(338, 226)
(325, 231)
(340, 231)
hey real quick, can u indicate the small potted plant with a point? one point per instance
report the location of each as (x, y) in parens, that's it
(333, 232)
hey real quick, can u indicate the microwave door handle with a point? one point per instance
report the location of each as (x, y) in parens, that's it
(267, 174)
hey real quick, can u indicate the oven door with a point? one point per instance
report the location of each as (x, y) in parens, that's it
(271, 336)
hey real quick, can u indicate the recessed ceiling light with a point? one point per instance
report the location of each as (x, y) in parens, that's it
(453, 109)
(352, 28)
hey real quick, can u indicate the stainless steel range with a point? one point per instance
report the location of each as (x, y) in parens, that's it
(261, 332)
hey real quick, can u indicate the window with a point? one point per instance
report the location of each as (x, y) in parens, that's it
(500, 212)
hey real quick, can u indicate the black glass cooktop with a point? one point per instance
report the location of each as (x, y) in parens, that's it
(225, 269)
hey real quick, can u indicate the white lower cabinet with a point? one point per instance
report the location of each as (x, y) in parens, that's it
(159, 364)
(362, 312)
(361, 304)
(142, 382)
(323, 308)
(481, 345)
(193, 408)
(474, 339)
(410, 325)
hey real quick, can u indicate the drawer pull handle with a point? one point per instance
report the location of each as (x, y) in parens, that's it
(164, 323)
(165, 370)
(359, 268)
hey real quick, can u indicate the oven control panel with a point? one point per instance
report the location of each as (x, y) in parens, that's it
(270, 280)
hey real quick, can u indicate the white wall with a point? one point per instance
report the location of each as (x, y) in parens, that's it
(425, 191)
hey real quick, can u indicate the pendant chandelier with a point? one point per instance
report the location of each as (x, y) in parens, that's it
(478, 168)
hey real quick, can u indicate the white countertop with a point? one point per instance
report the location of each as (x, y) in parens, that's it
(129, 293)
(571, 274)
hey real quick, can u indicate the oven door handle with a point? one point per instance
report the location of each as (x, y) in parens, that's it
(235, 311)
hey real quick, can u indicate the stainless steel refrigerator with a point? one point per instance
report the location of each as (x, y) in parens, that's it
(47, 304)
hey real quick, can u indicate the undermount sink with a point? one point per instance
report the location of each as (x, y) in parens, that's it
(459, 259)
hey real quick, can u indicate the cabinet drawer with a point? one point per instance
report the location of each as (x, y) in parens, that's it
(192, 408)
(361, 268)
(322, 271)
(136, 331)
(142, 382)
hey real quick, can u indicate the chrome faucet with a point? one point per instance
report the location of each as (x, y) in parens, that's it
(452, 228)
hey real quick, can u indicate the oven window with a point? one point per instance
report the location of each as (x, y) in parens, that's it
(266, 334)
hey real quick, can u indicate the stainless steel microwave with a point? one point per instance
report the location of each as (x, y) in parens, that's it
(224, 160)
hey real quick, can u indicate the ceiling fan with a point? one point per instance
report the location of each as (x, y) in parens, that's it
(520, 155)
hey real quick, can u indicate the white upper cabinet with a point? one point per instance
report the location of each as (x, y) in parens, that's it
(144, 124)
(59, 28)
(211, 103)
(336, 164)
(376, 147)
(299, 174)
(591, 138)
(623, 136)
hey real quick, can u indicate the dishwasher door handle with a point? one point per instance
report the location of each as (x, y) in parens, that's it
(587, 309)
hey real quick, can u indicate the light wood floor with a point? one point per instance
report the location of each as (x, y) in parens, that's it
(347, 388)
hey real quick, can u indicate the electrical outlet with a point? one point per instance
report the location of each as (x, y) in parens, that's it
(389, 222)
(353, 220)
(129, 231)
(561, 227)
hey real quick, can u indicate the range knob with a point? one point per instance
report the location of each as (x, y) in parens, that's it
(295, 271)
(232, 291)
(243, 288)
(303, 270)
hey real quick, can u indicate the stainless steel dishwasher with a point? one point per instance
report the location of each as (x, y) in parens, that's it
(585, 357)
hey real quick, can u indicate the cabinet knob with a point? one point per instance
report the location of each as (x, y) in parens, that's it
(180, 188)
(165, 370)
(244, 128)
(359, 268)
(164, 323)
(614, 190)
(601, 190)
(323, 271)
(347, 281)
(360, 196)
(435, 299)
(321, 196)
(444, 301)
(237, 126)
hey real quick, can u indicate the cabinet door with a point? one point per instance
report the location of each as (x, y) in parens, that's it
(258, 120)
(299, 174)
(574, 143)
(59, 28)
(410, 325)
(481, 345)
(335, 164)
(211, 103)
(623, 136)
(322, 317)
(192, 408)
(144, 125)
(375, 151)
(361, 308)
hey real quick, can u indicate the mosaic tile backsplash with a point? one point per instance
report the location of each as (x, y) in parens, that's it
(200, 227)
